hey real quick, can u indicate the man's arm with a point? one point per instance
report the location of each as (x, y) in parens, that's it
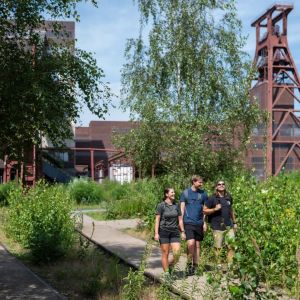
(182, 208)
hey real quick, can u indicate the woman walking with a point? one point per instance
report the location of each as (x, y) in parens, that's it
(168, 225)
(221, 216)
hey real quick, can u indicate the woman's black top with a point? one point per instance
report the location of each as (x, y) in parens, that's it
(222, 218)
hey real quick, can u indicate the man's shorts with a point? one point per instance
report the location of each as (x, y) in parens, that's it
(194, 232)
(169, 237)
(226, 235)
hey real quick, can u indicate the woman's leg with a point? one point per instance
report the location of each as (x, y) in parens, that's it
(165, 248)
(218, 242)
(229, 239)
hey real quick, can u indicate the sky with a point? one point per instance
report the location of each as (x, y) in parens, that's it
(104, 31)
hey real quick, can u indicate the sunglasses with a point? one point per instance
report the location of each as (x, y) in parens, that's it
(221, 183)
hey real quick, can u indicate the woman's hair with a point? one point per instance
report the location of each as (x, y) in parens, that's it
(166, 191)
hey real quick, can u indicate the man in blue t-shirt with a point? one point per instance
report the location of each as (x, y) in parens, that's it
(191, 204)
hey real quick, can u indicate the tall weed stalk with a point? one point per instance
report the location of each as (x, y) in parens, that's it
(135, 278)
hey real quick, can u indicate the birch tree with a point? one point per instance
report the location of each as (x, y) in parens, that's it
(188, 63)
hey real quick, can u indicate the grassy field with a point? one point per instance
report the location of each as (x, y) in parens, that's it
(97, 215)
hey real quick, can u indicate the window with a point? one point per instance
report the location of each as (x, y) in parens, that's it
(258, 166)
(259, 130)
(286, 130)
(64, 156)
(258, 146)
(257, 160)
(297, 130)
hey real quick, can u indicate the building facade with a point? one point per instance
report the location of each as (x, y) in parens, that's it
(95, 153)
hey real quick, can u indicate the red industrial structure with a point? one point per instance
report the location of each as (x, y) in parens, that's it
(277, 86)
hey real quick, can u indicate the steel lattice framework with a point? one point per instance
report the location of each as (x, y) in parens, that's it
(277, 89)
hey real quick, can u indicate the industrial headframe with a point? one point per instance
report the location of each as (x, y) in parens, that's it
(276, 89)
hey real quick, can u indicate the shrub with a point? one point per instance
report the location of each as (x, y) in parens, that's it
(5, 190)
(86, 192)
(40, 220)
(139, 199)
(269, 231)
(113, 190)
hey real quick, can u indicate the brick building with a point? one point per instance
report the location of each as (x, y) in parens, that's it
(94, 146)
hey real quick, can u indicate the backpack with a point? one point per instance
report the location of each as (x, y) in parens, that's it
(163, 211)
(186, 195)
(164, 207)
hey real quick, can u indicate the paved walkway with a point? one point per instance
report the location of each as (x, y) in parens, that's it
(109, 235)
(18, 282)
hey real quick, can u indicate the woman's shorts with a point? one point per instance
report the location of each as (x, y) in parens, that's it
(223, 235)
(194, 232)
(169, 237)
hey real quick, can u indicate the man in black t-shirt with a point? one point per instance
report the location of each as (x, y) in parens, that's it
(221, 217)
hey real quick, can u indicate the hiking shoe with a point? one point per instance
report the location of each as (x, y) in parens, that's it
(171, 269)
(190, 271)
(168, 278)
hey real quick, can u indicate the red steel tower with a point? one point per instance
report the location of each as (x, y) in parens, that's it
(277, 146)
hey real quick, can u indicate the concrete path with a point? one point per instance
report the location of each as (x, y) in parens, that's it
(18, 282)
(108, 235)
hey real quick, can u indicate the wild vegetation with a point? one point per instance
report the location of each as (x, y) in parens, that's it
(84, 272)
(39, 219)
(267, 246)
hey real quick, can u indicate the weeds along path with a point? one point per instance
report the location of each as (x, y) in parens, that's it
(108, 235)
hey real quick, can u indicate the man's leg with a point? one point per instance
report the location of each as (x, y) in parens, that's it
(176, 253)
(196, 254)
(191, 246)
(199, 235)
